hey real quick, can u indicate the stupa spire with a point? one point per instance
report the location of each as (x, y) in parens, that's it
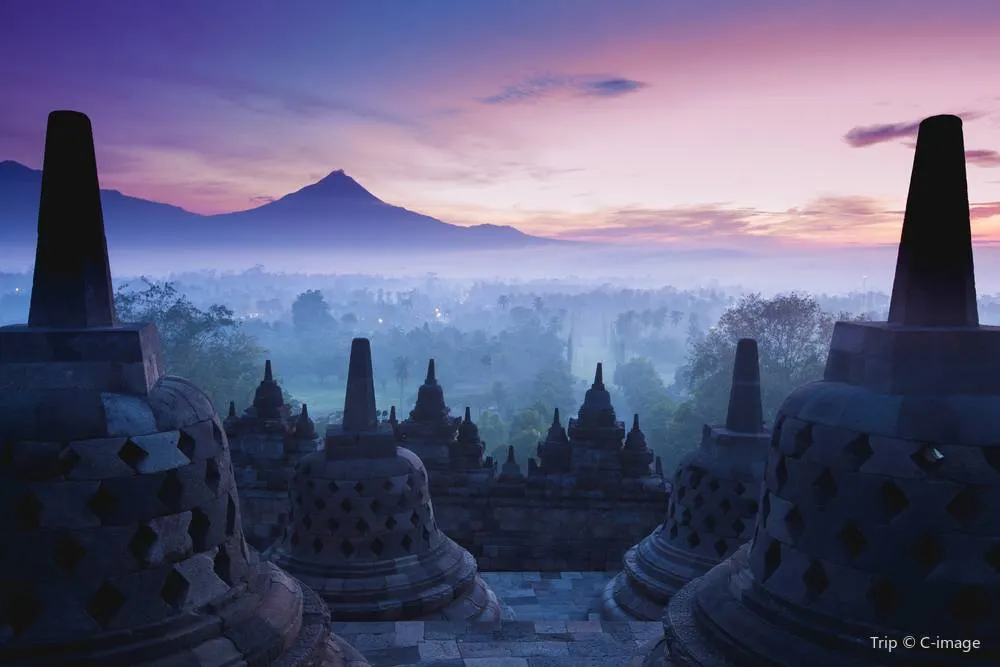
(232, 410)
(935, 283)
(268, 375)
(359, 402)
(468, 414)
(745, 413)
(71, 287)
(431, 376)
(599, 376)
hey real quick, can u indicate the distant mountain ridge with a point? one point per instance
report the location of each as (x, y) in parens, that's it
(335, 212)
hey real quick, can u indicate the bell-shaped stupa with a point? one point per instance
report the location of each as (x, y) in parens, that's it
(121, 541)
(363, 531)
(879, 514)
(712, 508)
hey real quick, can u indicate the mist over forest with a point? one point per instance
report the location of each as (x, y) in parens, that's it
(512, 351)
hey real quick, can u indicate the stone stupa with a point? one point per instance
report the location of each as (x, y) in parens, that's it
(880, 511)
(363, 531)
(121, 542)
(712, 509)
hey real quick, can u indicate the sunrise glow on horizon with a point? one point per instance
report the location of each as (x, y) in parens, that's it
(632, 121)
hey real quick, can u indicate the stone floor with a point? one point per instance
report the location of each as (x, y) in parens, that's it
(557, 624)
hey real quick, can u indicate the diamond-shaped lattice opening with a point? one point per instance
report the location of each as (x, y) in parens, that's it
(295, 539)
(377, 547)
(142, 541)
(752, 507)
(825, 487)
(795, 523)
(346, 505)
(317, 545)
(212, 475)
(739, 526)
(927, 552)
(685, 516)
(390, 522)
(406, 542)
(387, 485)
(105, 604)
(198, 529)
(681, 491)
(709, 523)
(175, 589)
(415, 519)
(29, 510)
(992, 558)
(102, 502)
(186, 444)
(223, 564)
(673, 531)
(721, 546)
(375, 506)
(409, 482)
(739, 489)
(67, 552)
(359, 488)
(970, 604)
(695, 479)
(362, 526)
(859, 451)
(67, 460)
(426, 534)
(319, 504)
(713, 485)
(402, 501)
(231, 516)
(893, 500)
(21, 608)
(815, 580)
(964, 507)
(333, 525)
(698, 502)
(171, 491)
(332, 486)
(780, 473)
(852, 539)
(346, 548)
(927, 457)
(772, 559)
(725, 506)
(884, 599)
(298, 499)
(693, 539)
(765, 507)
(802, 440)
(132, 454)
(311, 484)
(307, 522)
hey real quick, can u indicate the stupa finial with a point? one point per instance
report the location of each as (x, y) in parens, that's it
(745, 412)
(359, 401)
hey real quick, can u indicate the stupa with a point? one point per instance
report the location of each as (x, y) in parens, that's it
(363, 530)
(879, 514)
(121, 541)
(712, 509)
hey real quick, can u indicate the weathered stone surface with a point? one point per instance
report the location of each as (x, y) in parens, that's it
(121, 539)
(866, 529)
(363, 531)
(712, 506)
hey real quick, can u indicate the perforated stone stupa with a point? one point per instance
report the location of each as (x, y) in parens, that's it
(363, 531)
(879, 514)
(712, 508)
(120, 534)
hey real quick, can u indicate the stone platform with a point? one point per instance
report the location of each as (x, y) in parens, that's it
(557, 626)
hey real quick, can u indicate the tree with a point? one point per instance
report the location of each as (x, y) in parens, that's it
(492, 430)
(553, 388)
(401, 370)
(792, 333)
(206, 347)
(311, 312)
(528, 427)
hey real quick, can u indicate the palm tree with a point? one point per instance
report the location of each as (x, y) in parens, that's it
(401, 367)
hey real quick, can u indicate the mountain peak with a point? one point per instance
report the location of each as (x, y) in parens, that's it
(11, 169)
(338, 185)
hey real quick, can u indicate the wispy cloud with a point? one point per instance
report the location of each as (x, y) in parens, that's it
(869, 135)
(545, 86)
(985, 210)
(983, 158)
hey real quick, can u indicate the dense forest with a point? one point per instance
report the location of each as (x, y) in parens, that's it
(510, 352)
